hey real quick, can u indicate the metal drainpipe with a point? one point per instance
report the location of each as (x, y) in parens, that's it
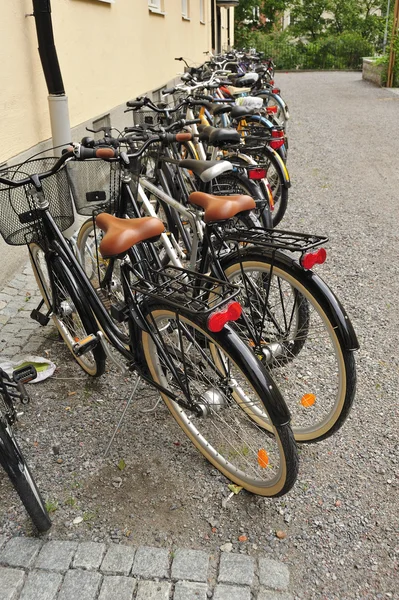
(57, 100)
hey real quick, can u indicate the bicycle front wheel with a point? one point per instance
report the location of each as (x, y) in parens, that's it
(72, 319)
(297, 342)
(14, 464)
(216, 399)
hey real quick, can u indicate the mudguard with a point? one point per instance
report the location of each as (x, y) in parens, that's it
(258, 375)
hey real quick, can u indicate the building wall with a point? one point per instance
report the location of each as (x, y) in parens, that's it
(108, 53)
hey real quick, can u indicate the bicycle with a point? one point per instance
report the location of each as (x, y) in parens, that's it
(291, 318)
(179, 340)
(11, 458)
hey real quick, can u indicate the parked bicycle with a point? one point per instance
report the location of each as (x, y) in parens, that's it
(178, 340)
(12, 391)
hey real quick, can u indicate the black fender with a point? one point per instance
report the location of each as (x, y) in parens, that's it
(258, 375)
(10, 455)
(315, 286)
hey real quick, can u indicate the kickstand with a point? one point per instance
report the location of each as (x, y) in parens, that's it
(136, 385)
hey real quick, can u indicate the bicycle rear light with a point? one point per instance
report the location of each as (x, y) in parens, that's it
(271, 110)
(218, 319)
(276, 90)
(309, 259)
(278, 139)
(257, 173)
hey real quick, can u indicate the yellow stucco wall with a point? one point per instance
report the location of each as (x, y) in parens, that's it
(108, 53)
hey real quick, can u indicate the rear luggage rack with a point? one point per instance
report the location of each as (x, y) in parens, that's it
(274, 238)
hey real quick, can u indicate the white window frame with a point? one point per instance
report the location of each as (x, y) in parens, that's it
(185, 9)
(156, 7)
(202, 11)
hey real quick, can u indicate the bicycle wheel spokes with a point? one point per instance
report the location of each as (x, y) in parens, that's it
(295, 341)
(216, 405)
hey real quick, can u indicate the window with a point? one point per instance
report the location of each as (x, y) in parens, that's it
(185, 9)
(202, 11)
(156, 7)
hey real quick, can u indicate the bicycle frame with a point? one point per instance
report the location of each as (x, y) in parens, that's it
(55, 243)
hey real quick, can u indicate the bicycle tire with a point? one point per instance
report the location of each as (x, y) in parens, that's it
(242, 441)
(276, 181)
(14, 464)
(313, 362)
(73, 314)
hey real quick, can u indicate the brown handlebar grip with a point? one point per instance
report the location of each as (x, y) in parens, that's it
(105, 153)
(183, 137)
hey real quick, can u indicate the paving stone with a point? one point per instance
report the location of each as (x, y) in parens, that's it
(151, 562)
(20, 552)
(41, 585)
(2, 304)
(56, 556)
(89, 555)
(273, 574)
(4, 319)
(236, 568)
(151, 590)
(9, 291)
(190, 565)
(80, 585)
(118, 560)
(273, 595)
(117, 587)
(231, 592)
(11, 582)
(190, 590)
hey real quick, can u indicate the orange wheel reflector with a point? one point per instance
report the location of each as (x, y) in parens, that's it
(263, 458)
(308, 400)
(76, 339)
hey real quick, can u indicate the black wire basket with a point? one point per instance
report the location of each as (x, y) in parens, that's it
(20, 221)
(95, 185)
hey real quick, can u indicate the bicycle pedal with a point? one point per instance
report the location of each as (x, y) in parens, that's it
(86, 344)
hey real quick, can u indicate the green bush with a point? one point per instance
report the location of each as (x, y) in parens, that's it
(343, 51)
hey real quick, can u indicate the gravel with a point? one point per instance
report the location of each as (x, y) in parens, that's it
(338, 528)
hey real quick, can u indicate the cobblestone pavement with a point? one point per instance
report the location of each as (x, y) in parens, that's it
(66, 570)
(17, 300)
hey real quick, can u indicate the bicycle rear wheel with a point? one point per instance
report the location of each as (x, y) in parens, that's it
(215, 409)
(298, 343)
(72, 319)
(14, 464)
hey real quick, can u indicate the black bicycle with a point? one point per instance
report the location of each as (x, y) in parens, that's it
(176, 335)
(11, 458)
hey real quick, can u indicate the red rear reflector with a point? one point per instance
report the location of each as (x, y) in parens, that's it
(275, 90)
(271, 109)
(218, 319)
(275, 144)
(276, 133)
(310, 259)
(271, 82)
(257, 173)
(234, 311)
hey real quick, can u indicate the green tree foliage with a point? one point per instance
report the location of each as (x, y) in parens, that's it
(314, 18)
(307, 17)
(256, 15)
